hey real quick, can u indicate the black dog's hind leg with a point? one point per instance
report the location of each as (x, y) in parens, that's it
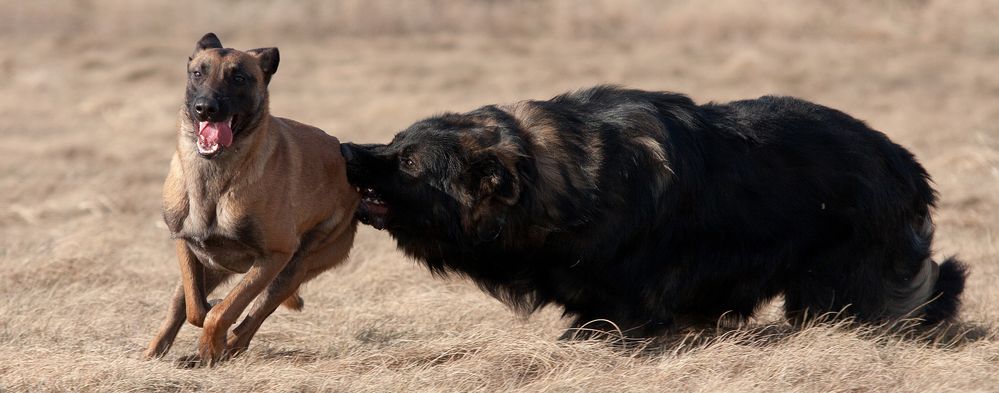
(878, 280)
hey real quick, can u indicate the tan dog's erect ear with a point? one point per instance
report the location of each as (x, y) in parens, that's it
(208, 41)
(268, 58)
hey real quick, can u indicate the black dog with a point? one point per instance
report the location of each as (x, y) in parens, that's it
(647, 210)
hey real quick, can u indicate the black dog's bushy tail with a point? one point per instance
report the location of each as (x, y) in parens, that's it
(946, 300)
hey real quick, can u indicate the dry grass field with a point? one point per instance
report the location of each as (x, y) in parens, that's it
(89, 92)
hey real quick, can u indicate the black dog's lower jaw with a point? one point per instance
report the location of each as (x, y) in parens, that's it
(645, 209)
(372, 210)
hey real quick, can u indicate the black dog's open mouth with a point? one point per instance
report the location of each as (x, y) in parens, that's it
(373, 210)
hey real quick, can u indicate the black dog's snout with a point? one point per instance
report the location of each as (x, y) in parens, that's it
(359, 163)
(205, 108)
(347, 152)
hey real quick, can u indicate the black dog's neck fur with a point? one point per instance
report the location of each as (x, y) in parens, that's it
(554, 204)
(555, 208)
(543, 207)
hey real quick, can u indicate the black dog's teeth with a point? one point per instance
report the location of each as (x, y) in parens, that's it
(369, 195)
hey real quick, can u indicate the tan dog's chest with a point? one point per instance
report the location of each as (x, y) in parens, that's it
(223, 252)
(221, 237)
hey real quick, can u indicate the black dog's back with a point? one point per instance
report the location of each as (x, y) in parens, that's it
(854, 205)
(769, 196)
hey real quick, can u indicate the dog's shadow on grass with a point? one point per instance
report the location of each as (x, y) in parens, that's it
(949, 336)
(295, 356)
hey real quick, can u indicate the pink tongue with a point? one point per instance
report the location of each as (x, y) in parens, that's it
(215, 133)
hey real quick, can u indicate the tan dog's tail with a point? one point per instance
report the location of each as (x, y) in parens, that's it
(294, 302)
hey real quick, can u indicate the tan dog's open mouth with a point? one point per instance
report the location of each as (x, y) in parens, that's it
(213, 135)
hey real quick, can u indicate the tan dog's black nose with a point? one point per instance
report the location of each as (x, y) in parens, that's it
(205, 108)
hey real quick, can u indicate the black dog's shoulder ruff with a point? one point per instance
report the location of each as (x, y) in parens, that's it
(645, 209)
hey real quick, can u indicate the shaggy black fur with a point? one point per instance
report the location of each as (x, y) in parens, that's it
(645, 209)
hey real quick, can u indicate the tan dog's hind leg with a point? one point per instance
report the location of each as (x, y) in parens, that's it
(294, 302)
(298, 271)
(280, 290)
(211, 346)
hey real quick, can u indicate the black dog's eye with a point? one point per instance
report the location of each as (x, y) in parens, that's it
(407, 162)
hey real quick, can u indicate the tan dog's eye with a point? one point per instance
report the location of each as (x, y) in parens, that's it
(196, 74)
(239, 79)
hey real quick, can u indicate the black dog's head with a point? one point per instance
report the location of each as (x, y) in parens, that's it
(452, 177)
(226, 92)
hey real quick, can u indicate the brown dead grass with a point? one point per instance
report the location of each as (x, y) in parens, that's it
(87, 103)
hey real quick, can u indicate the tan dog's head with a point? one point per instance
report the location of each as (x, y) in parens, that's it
(226, 92)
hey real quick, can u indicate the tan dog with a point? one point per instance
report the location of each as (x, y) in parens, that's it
(247, 193)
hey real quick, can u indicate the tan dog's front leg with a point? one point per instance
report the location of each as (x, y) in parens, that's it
(168, 330)
(178, 310)
(192, 272)
(211, 347)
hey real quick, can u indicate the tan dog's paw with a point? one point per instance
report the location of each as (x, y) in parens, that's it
(201, 360)
(294, 302)
(212, 347)
(153, 353)
(190, 361)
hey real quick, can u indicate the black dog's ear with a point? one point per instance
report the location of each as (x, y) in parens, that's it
(493, 188)
(208, 41)
(492, 180)
(269, 59)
